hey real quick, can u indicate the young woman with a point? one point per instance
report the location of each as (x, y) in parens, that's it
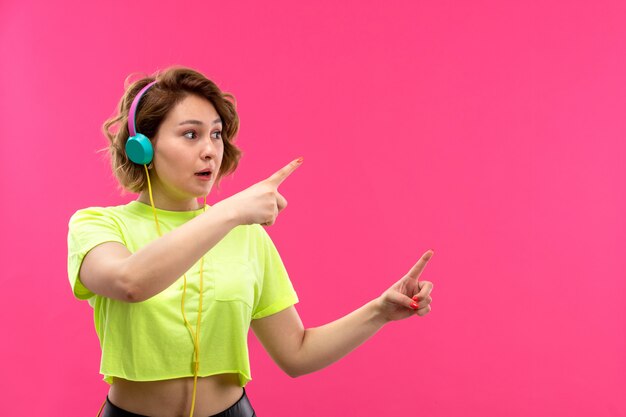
(176, 284)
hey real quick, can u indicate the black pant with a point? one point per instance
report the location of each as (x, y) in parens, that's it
(241, 408)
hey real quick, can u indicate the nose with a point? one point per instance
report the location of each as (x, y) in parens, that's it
(208, 148)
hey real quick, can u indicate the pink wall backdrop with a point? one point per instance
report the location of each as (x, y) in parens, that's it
(490, 131)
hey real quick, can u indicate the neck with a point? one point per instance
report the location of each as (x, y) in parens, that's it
(168, 204)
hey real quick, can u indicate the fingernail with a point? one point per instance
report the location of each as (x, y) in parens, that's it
(300, 160)
(415, 297)
(414, 305)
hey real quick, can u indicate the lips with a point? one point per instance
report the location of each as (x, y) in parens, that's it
(205, 172)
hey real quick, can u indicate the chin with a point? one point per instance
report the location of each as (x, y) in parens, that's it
(205, 192)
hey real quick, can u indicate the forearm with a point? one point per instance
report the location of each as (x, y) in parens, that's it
(157, 265)
(324, 345)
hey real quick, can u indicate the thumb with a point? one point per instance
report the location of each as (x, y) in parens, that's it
(281, 175)
(401, 299)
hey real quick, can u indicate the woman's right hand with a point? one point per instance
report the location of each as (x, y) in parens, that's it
(261, 203)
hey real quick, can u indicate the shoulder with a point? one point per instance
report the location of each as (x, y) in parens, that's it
(93, 212)
(97, 217)
(249, 232)
(260, 235)
(257, 230)
(99, 212)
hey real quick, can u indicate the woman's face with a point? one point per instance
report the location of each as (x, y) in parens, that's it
(188, 142)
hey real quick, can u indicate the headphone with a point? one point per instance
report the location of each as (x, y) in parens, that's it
(138, 146)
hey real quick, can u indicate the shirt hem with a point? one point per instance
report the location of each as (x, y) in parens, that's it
(243, 377)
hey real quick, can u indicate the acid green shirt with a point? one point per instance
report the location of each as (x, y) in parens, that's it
(244, 279)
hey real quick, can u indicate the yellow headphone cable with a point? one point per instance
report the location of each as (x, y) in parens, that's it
(195, 335)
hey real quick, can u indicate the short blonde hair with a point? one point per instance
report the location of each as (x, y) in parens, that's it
(172, 86)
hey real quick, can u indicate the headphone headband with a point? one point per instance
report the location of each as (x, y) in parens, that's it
(138, 147)
(133, 109)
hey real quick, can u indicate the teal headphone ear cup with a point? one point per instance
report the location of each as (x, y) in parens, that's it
(139, 149)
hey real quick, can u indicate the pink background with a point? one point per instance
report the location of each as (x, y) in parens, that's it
(490, 131)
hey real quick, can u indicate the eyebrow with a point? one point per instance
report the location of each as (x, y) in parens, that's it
(198, 122)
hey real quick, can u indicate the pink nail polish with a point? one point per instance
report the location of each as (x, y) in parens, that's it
(414, 305)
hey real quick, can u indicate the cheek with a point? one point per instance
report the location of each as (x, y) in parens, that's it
(169, 167)
(220, 154)
(173, 159)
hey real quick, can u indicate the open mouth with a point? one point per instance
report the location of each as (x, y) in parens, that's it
(206, 172)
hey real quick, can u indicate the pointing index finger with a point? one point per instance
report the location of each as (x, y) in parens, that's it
(417, 269)
(281, 175)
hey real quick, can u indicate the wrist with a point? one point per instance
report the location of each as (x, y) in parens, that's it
(378, 312)
(228, 213)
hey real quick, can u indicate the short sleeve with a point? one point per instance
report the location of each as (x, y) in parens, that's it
(87, 229)
(277, 292)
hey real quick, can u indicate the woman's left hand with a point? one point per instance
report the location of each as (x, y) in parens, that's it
(408, 296)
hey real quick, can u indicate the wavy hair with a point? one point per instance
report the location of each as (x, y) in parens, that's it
(173, 85)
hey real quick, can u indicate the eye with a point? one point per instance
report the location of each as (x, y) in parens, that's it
(218, 134)
(190, 132)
